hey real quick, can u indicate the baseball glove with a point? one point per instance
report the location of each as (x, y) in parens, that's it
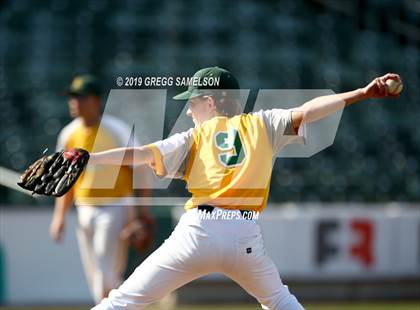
(140, 233)
(55, 174)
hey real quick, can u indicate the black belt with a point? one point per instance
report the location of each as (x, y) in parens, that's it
(209, 209)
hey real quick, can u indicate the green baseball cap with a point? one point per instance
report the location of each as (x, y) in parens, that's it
(207, 81)
(83, 85)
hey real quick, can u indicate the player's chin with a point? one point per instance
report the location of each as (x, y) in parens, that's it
(74, 113)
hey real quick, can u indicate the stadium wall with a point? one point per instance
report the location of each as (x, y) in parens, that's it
(317, 249)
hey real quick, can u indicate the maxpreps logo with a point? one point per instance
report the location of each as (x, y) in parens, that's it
(228, 215)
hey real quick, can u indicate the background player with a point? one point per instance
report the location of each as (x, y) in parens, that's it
(223, 157)
(103, 251)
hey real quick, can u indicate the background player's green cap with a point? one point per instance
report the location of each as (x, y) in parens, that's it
(225, 78)
(83, 85)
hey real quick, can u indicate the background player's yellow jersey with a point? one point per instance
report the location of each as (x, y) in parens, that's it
(227, 162)
(112, 134)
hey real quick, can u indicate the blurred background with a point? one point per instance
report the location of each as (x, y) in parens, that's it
(369, 177)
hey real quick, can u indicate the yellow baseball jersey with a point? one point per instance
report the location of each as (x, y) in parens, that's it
(227, 162)
(93, 187)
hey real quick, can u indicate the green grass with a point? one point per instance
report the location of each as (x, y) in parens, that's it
(308, 306)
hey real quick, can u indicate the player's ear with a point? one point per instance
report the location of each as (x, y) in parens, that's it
(212, 103)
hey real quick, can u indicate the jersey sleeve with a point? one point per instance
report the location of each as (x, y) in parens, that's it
(279, 125)
(120, 130)
(171, 154)
(61, 142)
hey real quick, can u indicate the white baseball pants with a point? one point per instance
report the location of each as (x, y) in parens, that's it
(103, 253)
(198, 247)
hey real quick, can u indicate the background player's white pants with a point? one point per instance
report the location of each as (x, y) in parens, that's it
(197, 247)
(103, 253)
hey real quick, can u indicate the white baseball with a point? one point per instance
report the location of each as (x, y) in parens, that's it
(394, 87)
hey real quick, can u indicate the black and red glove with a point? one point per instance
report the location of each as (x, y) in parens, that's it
(55, 174)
